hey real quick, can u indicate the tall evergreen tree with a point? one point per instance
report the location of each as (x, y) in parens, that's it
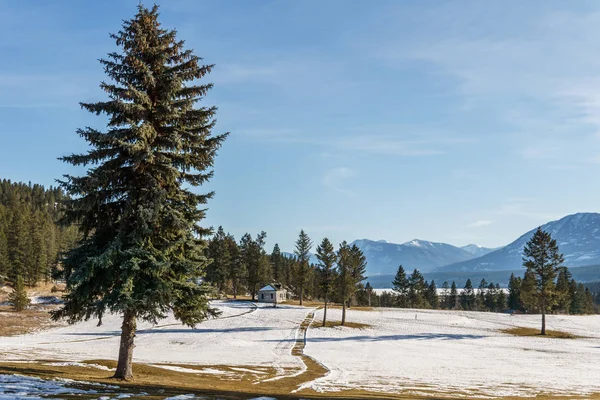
(400, 286)
(431, 295)
(480, 297)
(500, 299)
(528, 298)
(357, 270)
(467, 297)
(220, 260)
(563, 290)
(541, 256)
(251, 255)
(416, 290)
(237, 268)
(18, 244)
(276, 263)
(4, 260)
(453, 298)
(489, 298)
(514, 293)
(302, 252)
(142, 250)
(18, 297)
(445, 295)
(369, 291)
(327, 257)
(344, 271)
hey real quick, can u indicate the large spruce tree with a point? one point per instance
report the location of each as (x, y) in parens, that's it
(357, 270)
(344, 267)
(142, 250)
(327, 257)
(542, 258)
(400, 286)
(302, 252)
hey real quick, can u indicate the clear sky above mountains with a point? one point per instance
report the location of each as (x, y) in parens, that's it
(456, 122)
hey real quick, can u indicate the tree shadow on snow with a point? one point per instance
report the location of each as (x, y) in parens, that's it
(383, 338)
(177, 330)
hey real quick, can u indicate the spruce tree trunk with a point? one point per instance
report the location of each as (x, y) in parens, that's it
(543, 316)
(301, 293)
(325, 313)
(343, 313)
(125, 366)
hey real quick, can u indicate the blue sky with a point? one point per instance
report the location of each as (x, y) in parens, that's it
(454, 121)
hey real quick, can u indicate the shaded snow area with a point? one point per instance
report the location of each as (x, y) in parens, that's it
(245, 334)
(23, 387)
(456, 354)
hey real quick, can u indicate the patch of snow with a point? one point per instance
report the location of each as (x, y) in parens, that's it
(252, 371)
(26, 387)
(176, 368)
(45, 300)
(79, 364)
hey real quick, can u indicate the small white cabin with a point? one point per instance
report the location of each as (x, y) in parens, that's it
(272, 294)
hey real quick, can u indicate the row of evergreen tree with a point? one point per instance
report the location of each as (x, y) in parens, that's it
(243, 267)
(413, 291)
(338, 276)
(30, 238)
(547, 286)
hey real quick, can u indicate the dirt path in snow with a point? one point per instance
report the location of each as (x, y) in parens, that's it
(312, 368)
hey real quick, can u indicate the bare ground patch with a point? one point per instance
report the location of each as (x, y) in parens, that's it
(333, 324)
(17, 323)
(521, 331)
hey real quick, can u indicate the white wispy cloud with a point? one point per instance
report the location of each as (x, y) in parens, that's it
(480, 223)
(336, 178)
(541, 62)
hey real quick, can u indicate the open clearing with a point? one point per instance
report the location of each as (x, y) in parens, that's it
(396, 353)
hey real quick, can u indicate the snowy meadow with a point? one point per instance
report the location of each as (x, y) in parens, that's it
(400, 351)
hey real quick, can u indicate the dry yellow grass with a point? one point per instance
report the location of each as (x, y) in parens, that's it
(14, 323)
(32, 319)
(332, 324)
(521, 331)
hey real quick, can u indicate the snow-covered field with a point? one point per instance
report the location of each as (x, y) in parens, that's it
(454, 353)
(245, 334)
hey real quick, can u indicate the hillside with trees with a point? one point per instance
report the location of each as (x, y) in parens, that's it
(31, 237)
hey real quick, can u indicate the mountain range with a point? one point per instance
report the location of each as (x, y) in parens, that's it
(384, 258)
(577, 235)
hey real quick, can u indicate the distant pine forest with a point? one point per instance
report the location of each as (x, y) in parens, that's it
(31, 238)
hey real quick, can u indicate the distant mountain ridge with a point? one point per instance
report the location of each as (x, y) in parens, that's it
(577, 236)
(384, 258)
(477, 250)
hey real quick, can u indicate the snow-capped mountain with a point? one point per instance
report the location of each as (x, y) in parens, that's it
(477, 250)
(384, 258)
(577, 236)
